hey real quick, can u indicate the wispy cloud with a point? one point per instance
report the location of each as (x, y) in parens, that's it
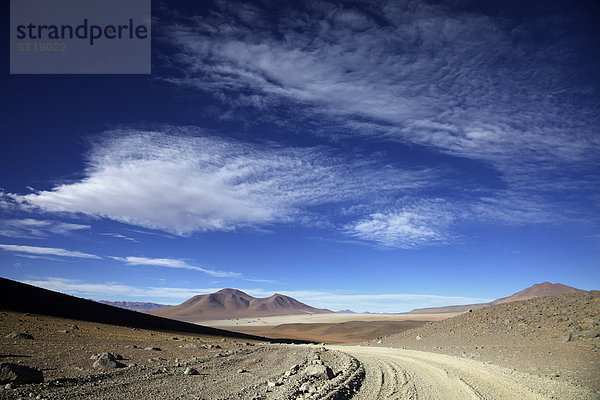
(173, 263)
(393, 302)
(180, 181)
(425, 223)
(50, 251)
(118, 236)
(35, 228)
(457, 82)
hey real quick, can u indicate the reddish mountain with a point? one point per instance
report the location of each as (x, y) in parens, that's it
(537, 290)
(232, 303)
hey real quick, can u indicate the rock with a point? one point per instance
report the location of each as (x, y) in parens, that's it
(153, 348)
(273, 384)
(317, 362)
(107, 361)
(190, 371)
(18, 335)
(305, 387)
(9, 386)
(110, 356)
(241, 371)
(131, 346)
(294, 368)
(591, 334)
(567, 338)
(419, 337)
(19, 374)
(75, 327)
(319, 371)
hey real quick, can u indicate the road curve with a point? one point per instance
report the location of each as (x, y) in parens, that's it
(393, 373)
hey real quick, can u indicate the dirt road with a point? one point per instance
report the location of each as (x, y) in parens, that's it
(406, 374)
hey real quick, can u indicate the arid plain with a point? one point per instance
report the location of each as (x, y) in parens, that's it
(537, 348)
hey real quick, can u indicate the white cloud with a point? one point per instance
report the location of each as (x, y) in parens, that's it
(172, 263)
(393, 302)
(35, 228)
(118, 236)
(50, 251)
(413, 226)
(458, 82)
(180, 182)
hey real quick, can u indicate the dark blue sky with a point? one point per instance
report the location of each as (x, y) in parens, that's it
(369, 155)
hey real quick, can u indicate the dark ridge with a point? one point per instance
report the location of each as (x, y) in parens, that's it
(17, 296)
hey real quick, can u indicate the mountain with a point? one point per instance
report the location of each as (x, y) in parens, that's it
(232, 303)
(537, 290)
(133, 305)
(17, 296)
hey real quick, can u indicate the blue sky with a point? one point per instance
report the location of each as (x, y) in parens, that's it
(372, 155)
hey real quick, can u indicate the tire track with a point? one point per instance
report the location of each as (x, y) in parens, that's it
(405, 374)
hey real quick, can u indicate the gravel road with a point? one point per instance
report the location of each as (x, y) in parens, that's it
(393, 373)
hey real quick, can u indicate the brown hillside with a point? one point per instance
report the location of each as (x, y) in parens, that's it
(539, 290)
(232, 303)
(556, 336)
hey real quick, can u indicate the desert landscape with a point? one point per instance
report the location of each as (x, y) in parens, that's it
(541, 343)
(300, 200)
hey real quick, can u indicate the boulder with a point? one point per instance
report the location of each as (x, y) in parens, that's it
(190, 371)
(19, 374)
(319, 372)
(18, 335)
(107, 361)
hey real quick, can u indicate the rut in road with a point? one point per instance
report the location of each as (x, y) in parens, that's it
(406, 374)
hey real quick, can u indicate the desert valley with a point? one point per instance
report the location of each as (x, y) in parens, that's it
(541, 343)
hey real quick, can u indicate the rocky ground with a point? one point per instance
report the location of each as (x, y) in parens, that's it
(83, 360)
(554, 337)
(544, 348)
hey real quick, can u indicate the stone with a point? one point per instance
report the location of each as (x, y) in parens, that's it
(591, 334)
(419, 337)
(191, 371)
(241, 371)
(75, 327)
(19, 374)
(153, 348)
(273, 384)
(18, 335)
(107, 361)
(567, 338)
(305, 387)
(319, 372)
(294, 368)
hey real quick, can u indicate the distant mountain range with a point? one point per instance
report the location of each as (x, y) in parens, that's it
(232, 303)
(537, 290)
(133, 305)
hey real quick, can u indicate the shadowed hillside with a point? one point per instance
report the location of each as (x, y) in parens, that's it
(16, 296)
